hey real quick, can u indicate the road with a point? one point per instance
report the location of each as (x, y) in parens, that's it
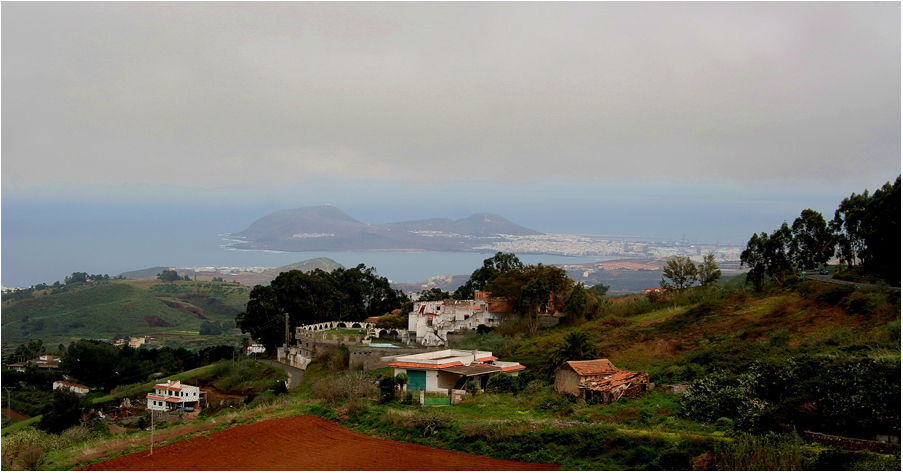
(827, 278)
(295, 376)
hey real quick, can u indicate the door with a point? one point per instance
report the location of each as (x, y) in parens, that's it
(416, 381)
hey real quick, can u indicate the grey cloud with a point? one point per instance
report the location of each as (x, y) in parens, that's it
(211, 93)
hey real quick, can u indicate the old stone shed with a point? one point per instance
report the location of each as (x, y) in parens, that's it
(600, 379)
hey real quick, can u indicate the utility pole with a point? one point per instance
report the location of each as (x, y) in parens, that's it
(287, 336)
(152, 432)
(9, 403)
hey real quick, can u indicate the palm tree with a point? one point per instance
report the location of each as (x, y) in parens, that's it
(576, 346)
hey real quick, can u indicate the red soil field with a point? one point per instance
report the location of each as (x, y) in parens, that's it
(303, 443)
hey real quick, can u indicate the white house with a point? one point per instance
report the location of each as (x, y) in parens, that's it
(442, 370)
(431, 321)
(173, 395)
(255, 348)
(76, 388)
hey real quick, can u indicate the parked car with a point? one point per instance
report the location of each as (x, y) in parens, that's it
(188, 409)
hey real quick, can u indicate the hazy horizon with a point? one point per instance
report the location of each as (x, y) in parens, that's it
(699, 120)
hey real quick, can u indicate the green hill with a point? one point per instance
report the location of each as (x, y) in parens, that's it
(143, 273)
(113, 309)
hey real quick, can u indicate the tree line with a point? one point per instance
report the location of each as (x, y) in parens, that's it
(354, 294)
(317, 296)
(864, 232)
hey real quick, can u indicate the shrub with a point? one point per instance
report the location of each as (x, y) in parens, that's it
(387, 386)
(503, 383)
(337, 358)
(431, 420)
(770, 452)
(532, 387)
(32, 458)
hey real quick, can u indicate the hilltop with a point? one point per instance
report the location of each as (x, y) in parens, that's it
(326, 228)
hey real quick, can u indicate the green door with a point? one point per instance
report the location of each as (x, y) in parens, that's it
(416, 381)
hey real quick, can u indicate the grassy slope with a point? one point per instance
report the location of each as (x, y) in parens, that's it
(119, 307)
(727, 330)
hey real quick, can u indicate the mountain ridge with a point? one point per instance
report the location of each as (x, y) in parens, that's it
(326, 228)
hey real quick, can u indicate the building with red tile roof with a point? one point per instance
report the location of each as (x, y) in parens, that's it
(599, 379)
(174, 395)
(76, 388)
(442, 370)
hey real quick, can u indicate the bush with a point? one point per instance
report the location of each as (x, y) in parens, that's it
(503, 383)
(771, 452)
(431, 420)
(387, 387)
(32, 458)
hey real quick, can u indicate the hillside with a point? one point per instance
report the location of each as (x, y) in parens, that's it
(701, 332)
(263, 277)
(122, 308)
(326, 228)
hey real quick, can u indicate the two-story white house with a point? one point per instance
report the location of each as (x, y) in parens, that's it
(174, 395)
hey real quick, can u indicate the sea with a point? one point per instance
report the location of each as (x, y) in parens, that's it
(44, 244)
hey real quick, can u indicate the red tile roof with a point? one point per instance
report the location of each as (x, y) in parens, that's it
(404, 364)
(166, 386)
(488, 358)
(606, 383)
(516, 367)
(591, 367)
(67, 383)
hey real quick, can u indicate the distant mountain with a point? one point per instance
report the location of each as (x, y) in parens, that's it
(326, 228)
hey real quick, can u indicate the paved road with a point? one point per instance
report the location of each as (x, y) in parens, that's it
(295, 376)
(827, 278)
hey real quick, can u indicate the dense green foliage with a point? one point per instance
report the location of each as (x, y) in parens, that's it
(840, 395)
(64, 411)
(492, 268)
(317, 296)
(865, 230)
(99, 364)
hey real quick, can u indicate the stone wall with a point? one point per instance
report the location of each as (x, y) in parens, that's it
(367, 358)
(847, 443)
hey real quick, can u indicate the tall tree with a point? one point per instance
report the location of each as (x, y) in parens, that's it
(344, 294)
(511, 284)
(708, 272)
(813, 243)
(64, 411)
(881, 254)
(681, 271)
(849, 227)
(754, 258)
(492, 268)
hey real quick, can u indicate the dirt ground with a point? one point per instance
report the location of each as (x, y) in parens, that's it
(303, 443)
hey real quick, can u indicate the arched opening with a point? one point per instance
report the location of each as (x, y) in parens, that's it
(341, 325)
(355, 325)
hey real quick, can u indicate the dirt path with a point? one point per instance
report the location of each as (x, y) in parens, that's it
(303, 443)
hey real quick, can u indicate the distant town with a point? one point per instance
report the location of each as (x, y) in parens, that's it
(577, 245)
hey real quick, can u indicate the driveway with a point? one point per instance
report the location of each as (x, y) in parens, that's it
(828, 279)
(295, 375)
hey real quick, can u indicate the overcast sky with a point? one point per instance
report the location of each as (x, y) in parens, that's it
(296, 103)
